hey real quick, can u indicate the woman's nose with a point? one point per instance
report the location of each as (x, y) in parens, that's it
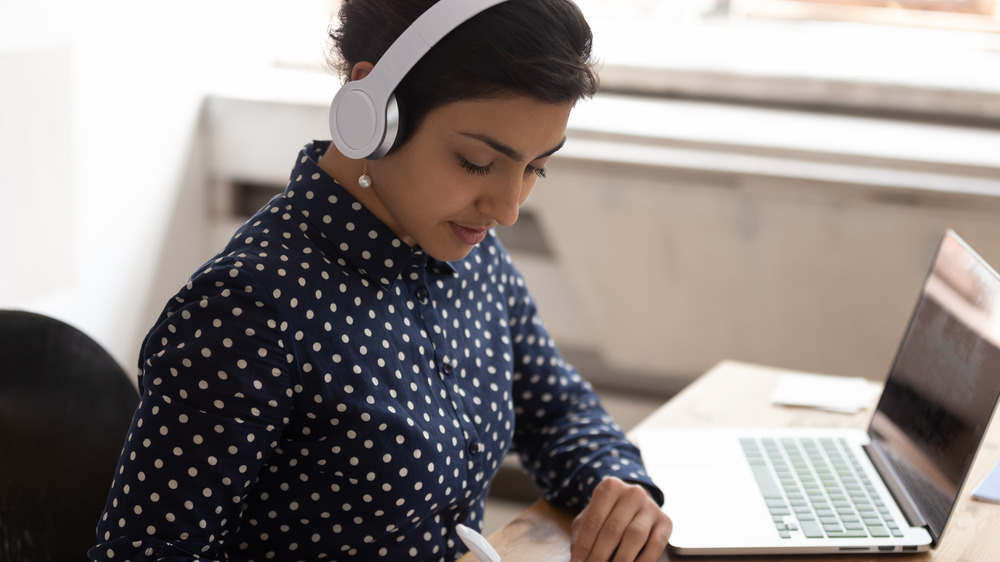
(503, 200)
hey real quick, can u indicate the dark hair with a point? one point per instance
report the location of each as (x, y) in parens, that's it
(537, 48)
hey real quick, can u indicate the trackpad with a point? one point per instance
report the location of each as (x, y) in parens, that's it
(711, 504)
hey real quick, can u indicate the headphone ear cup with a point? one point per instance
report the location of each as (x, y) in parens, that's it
(357, 124)
(360, 129)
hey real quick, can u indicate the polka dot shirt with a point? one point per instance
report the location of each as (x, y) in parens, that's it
(322, 391)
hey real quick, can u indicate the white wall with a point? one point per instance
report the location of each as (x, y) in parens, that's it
(99, 106)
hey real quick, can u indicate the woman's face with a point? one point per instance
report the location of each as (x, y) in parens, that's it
(469, 166)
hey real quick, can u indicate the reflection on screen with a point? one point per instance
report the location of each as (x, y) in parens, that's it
(945, 382)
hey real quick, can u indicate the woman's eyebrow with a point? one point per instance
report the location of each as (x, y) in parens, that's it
(508, 151)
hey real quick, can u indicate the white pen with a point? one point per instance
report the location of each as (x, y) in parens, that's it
(477, 544)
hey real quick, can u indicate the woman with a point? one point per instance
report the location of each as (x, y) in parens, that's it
(344, 379)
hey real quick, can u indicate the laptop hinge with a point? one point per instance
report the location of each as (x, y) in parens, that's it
(896, 488)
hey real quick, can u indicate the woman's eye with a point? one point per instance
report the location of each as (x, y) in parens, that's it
(474, 169)
(540, 172)
(485, 170)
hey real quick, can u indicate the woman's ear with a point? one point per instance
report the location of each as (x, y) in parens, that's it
(360, 70)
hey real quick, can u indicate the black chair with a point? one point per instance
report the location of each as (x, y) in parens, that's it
(65, 408)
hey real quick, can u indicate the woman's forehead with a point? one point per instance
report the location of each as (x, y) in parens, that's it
(521, 128)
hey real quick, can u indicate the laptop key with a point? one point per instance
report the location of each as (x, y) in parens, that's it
(766, 482)
(811, 529)
(878, 531)
(846, 534)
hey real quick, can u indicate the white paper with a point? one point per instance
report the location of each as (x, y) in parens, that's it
(989, 489)
(847, 395)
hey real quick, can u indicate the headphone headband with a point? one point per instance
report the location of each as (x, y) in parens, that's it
(364, 118)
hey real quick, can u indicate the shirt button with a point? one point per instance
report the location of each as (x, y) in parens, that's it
(461, 517)
(422, 294)
(447, 369)
(475, 447)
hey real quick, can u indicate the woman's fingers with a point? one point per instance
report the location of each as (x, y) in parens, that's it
(587, 526)
(621, 523)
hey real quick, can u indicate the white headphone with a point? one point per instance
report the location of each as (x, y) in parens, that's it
(364, 117)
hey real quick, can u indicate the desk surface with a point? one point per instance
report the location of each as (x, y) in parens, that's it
(734, 394)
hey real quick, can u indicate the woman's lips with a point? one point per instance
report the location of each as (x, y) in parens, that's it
(469, 236)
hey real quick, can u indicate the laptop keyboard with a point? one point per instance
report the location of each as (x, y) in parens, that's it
(814, 486)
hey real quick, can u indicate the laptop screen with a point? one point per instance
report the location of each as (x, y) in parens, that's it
(944, 383)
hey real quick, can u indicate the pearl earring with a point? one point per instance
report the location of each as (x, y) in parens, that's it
(365, 181)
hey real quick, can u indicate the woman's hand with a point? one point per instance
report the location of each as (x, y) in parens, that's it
(622, 523)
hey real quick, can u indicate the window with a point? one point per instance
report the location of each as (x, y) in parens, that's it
(967, 15)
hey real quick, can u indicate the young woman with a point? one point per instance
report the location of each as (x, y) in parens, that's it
(344, 379)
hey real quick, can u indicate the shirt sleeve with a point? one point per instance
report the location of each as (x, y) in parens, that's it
(214, 383)
(567, 441)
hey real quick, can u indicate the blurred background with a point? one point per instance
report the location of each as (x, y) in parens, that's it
(761, 180)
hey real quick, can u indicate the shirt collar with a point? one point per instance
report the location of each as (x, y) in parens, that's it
(347, 227)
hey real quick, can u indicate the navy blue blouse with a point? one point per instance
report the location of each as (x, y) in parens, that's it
(322, 391)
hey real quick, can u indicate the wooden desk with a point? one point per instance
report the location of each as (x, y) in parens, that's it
(735, 394)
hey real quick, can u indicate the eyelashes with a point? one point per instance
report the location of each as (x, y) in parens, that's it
(485, 170)
(473, 169)
(540, 172)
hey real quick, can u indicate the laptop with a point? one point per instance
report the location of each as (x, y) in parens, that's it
(890, 488)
